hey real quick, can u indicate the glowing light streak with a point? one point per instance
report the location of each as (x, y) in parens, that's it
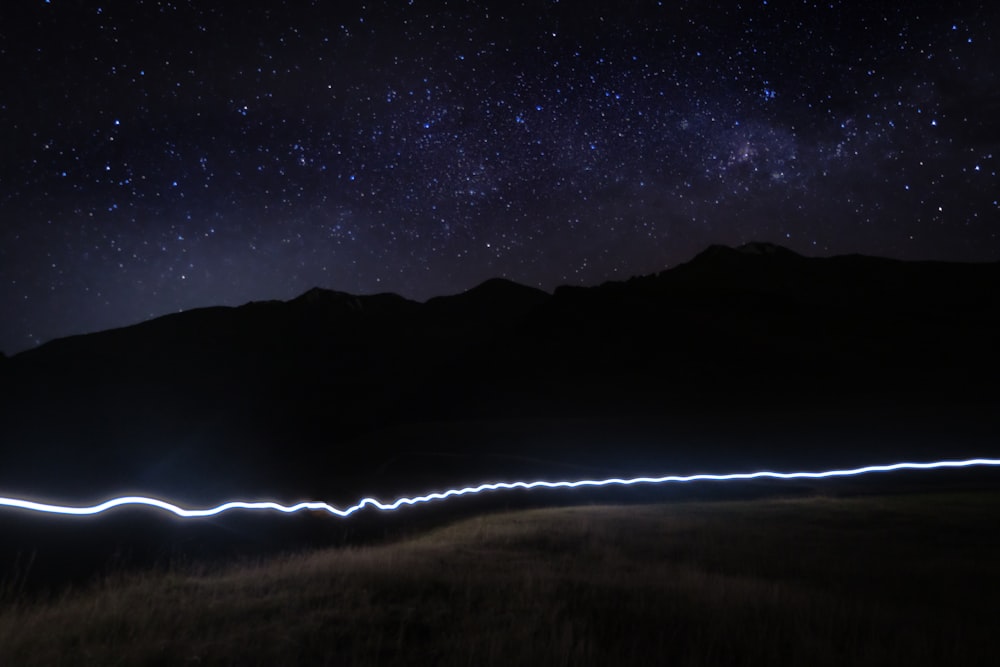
(33, 506)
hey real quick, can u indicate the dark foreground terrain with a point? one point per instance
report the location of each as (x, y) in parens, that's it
(908, 579)
(742, 359)
(336, 396)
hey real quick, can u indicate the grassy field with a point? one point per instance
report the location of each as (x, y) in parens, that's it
(904, 580)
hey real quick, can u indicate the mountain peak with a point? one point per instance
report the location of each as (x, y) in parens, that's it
(718, 252)
(321, 295)
(765, 248)
(503, 285)
(495, 299)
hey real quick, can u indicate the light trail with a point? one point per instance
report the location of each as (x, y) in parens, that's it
(18, 503)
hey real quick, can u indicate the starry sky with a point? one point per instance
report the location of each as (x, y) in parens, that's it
(164, 155)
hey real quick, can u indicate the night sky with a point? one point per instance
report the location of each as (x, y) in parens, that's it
(159, 156)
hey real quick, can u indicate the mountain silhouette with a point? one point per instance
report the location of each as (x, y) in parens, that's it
(497, 300)
(319, 392)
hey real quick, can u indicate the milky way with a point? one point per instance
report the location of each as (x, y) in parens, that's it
(160, 156)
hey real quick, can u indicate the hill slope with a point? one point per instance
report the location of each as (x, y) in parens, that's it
(814, 581)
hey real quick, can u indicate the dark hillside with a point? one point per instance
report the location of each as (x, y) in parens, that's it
(274, 397)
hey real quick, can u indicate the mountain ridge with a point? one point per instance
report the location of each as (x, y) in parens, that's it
(715, 258)
(271, 392)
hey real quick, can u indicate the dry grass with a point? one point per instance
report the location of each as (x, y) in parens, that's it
(877, 581)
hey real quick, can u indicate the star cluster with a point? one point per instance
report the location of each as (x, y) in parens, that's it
(164, 155)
